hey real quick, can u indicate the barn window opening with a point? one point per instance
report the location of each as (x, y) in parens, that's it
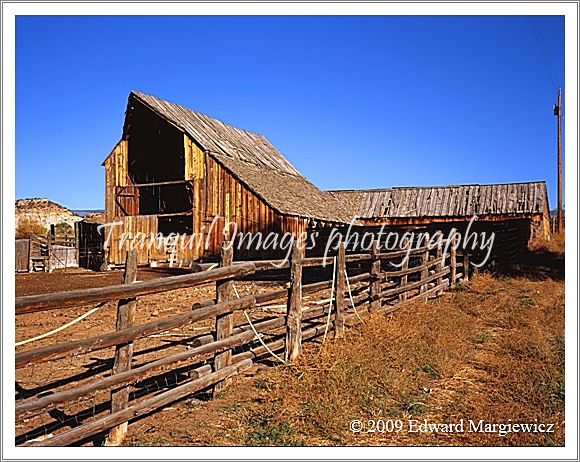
(156, 171)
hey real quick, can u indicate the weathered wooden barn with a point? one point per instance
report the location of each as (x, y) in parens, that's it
(176, 170)
(515, 212)
(447, 204)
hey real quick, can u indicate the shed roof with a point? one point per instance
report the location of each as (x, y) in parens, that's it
(254, 161)
(447, 201)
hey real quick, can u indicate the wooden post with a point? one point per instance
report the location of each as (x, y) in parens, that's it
(225, 322)
(439, 267)
(558, 113)
(424, 261)
(465, 265)
(375, 279)
(453, 263)
(340, 290)
(77, 242)
(48, 266)
(404, 278)
(293, 345)
(123, 353)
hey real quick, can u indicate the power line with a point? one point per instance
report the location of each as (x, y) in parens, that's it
(547, 60)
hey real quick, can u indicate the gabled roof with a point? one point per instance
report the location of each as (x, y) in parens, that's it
(253, 160)
(447, 201)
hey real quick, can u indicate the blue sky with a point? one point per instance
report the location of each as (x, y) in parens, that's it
(352, 102)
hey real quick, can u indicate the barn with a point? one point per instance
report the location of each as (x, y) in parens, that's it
(515, 212)
(178, 171)
(175, 170)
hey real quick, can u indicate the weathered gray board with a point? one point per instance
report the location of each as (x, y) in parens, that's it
(22, 255)
(63, 257)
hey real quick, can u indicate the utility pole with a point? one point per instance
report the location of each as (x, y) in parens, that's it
(558, 113)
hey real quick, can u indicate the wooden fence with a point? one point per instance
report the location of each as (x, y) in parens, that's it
(45, 253)
(360, 284)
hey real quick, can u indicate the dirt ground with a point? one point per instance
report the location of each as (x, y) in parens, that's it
(492, 350)
(79, 278)
(57, 375)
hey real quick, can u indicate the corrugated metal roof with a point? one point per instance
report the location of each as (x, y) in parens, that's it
(447, 201)
(254, 161)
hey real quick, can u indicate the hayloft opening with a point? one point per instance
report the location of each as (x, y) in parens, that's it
(156, 161)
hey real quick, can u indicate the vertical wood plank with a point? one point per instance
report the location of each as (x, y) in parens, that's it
(225, 322)
(424, 261)
(404, 279)
(453, 263)
(48, 267)
(375, 279)
(293, 345)
(465, 265)
(439, 268)
(339, 300)
(123, 353)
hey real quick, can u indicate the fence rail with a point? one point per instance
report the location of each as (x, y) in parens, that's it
(377, 281)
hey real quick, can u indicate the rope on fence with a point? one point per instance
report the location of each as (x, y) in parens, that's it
(235, 290)
(331, 297)
(259, 337)
(350, 296)
(58, 329)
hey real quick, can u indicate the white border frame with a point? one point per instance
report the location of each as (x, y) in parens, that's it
(568, 9)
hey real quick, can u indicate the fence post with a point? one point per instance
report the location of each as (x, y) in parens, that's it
(123, 353)
(439, 267)
(225, 322)
(465, 265)
(293, 344)
(424, 262)
(404, 278)
(453, 263)
(375, 279)
(77, 243)
(48, 266)
(340, 290)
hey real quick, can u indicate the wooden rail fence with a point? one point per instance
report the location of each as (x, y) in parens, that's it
(360, 284)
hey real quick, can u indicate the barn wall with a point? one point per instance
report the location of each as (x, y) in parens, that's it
(511, 235)
(221, 198)
(218, 198)
(116, 174)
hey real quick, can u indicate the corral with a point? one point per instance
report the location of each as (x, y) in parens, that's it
(65, 398)
(199, 344)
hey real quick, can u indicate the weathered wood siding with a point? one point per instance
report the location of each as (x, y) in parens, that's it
(22, 255)
(121, 238)
(218, 198)
(116, 174)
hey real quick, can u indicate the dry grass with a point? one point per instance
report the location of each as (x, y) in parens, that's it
(492, 350)
(28, 227)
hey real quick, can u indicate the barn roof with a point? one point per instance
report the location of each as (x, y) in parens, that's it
(447, 201)
(254, 161)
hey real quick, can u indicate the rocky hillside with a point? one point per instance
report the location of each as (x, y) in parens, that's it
(43, 211)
